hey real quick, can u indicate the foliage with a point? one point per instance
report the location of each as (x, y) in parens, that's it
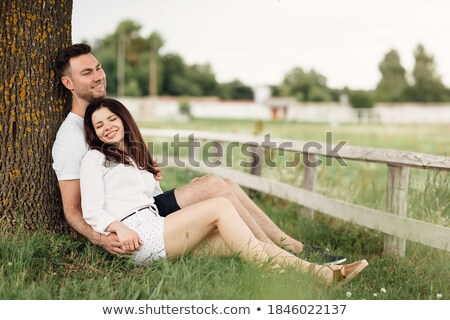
(361, 99)
(427, 86)
(305, 86)
(392, 86)
(175, 77)
(235, 90)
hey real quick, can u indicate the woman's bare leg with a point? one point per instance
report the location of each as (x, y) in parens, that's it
(185, 229)
(217, 223)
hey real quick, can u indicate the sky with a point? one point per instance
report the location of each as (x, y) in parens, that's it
(259, 41)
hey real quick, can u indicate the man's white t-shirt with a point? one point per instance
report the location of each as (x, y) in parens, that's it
(69, 148)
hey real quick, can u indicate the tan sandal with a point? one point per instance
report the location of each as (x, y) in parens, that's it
(340, 276)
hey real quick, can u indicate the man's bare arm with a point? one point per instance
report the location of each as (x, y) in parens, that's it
(71, 198)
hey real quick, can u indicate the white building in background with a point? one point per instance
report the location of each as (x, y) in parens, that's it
(285, 108)
(262, 94)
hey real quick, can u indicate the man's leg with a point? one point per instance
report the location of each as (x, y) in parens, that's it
(276, 234)
(259, 223)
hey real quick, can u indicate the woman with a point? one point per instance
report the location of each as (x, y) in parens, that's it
(118, 185)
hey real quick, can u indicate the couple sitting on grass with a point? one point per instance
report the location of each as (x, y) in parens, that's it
(110, 189)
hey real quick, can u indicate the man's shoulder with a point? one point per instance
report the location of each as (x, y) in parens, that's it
(70, 133)
(72, 125)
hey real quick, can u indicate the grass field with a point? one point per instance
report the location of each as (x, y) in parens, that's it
(432, 139)
(43, 266)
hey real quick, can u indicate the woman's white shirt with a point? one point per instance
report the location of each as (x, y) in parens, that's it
(111, 191)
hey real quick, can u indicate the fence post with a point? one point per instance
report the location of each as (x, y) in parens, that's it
(309, 180)
(397, 203)
(257, 160)
(257, 154)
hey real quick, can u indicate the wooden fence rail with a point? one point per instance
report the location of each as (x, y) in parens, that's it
(394, 222)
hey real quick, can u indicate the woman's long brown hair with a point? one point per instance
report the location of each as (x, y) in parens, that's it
(135, 145)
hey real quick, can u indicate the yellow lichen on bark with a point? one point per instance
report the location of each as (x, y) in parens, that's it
(14, 174)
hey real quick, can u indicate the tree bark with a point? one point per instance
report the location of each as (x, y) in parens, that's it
(31, 110)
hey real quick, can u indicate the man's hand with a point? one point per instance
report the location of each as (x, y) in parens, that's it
(111, 244)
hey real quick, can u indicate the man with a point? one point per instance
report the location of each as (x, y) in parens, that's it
(81, 74)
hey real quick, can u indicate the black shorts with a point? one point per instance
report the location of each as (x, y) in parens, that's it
(166, 203)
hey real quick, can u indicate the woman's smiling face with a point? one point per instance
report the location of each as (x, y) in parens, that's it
(108, 127)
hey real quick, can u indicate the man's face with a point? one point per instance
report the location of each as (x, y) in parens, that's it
(85, 78)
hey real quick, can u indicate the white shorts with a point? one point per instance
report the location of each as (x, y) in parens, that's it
(149, 225)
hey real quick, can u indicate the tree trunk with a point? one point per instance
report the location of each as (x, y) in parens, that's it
(31, 33)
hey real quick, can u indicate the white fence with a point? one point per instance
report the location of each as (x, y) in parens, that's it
(393, 222)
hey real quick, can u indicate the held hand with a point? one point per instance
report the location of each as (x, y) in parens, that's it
(111, 244)
(129, 239)
(158, 176)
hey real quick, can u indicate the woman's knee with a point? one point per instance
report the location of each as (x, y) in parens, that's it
(224, 206)
(223, 202)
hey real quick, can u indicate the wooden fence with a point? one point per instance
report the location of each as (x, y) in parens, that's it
(393, 222)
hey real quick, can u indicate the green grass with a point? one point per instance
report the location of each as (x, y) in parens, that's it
(431, 139)
(49, 266)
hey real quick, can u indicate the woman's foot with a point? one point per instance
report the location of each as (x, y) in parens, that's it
(339, 275)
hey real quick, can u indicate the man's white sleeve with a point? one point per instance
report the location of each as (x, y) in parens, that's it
(67, 154)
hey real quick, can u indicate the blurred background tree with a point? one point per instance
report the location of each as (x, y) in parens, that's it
(132, 62)
(305, 86)
(360, 99)
(393, 85)
(156, 42)
(427, 86)
(235, 90)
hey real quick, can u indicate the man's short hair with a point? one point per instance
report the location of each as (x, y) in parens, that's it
(64, 56)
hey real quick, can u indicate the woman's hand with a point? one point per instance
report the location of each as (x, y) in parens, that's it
(158, 176)
(128, 238)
